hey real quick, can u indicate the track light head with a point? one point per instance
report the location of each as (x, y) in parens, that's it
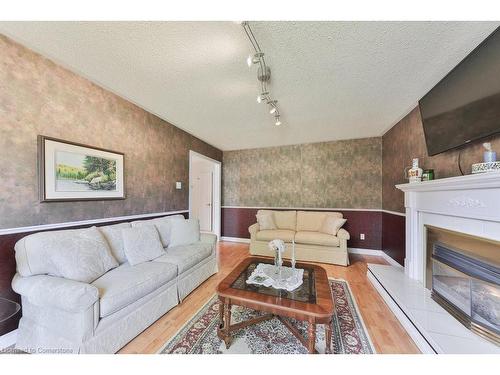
(278, 122)
(273, 106)
(262, 97)
(249, 60)
(254, 59)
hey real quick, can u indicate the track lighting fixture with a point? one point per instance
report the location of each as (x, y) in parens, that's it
(263, 73)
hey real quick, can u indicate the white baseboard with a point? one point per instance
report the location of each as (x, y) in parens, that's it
(356, 250)
(381, 253)
(235, 239)
(8, 339)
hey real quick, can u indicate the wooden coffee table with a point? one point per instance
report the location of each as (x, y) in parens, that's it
(311, 302)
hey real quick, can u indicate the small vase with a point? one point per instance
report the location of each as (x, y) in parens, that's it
(278, 262)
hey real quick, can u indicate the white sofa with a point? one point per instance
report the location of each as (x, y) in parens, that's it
(61, 315)
(303, 227)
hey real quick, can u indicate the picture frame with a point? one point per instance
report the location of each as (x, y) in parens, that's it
(70, 171)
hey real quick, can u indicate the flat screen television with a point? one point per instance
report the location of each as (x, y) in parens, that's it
(465, 105)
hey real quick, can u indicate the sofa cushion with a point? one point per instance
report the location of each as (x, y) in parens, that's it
(162, 224)
(77, 254)
(280, 234)
(316, 238)
(184, 232)
(113, 234)
(142, 244)
(265, 219)
(187, 256)
(126, 284)
(285, 219)
(313, 220)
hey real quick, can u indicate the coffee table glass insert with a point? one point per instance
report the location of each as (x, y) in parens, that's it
(304, 293)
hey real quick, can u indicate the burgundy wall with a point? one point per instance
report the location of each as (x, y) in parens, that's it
(8, 268)
(393, 236)
(235, 223)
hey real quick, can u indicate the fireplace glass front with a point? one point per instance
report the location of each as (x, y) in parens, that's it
(466, 282)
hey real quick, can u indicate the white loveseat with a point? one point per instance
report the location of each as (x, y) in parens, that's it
(61, 315)
(303, 227)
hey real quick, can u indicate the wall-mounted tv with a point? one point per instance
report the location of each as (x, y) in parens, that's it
(465, 105)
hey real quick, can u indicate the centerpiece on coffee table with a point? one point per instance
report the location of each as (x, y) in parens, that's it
(277, 276)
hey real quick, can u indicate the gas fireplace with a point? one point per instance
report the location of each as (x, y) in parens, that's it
(463, 273)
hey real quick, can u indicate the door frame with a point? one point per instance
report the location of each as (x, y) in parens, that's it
(216, 190)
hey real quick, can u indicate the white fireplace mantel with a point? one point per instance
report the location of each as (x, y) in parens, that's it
(467, 204)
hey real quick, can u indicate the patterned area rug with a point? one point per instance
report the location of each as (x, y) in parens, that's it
(199, 334)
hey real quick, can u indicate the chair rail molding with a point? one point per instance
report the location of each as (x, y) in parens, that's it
(68, 224)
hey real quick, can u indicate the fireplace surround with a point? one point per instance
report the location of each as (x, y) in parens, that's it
(468, 205)
(463, 273)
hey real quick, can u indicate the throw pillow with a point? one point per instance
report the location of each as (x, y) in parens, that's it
(76, 254)
(184, 232)
(331, 225)
(113, 234)
(266, 221)
(162, 224)
(141, 244)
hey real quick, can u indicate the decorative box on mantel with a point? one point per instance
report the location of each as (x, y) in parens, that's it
(466, 204)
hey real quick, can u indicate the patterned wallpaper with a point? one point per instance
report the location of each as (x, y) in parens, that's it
(40, 97)
(339, 174)
(405, 141)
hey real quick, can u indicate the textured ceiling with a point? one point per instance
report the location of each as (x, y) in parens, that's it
(333, 80)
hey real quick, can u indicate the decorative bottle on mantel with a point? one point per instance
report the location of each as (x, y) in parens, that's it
(414, 174)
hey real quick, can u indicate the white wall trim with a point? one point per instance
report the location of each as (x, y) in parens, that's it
(381, 253)
(320, 209)
(35, 228)
(394, 213)
(235, 239)
(358, 250)
(304, 208)
(8, 339)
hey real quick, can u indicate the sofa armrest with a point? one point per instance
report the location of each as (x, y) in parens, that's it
(343, 234)
(56, 292)
(253, 229)
(209, 238)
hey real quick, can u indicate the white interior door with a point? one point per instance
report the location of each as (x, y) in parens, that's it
(202, 192)
(205, 192)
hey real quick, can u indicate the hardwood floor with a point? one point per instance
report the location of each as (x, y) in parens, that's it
(386, 332)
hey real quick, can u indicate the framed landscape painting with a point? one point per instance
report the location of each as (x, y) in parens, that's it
(74, 172)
